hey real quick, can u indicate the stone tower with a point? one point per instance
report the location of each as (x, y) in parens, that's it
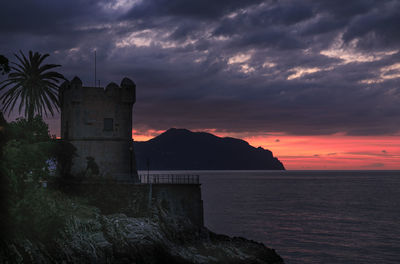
(98, 122)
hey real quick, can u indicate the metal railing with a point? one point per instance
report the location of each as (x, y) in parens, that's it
(169, 178)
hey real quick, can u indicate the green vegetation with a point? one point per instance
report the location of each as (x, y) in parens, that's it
(27, 151)
(63, 153)
(29, 157)
(32, 84)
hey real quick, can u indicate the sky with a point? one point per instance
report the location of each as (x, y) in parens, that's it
(316, 82)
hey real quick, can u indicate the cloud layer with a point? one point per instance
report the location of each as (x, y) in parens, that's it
(298, 67)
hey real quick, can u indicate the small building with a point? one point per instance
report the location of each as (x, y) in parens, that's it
(98, 122)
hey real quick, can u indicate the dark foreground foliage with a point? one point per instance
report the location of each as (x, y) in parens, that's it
(30, 157)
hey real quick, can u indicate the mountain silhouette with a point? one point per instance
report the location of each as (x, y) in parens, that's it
(181, 149)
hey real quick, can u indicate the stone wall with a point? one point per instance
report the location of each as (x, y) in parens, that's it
(139, 200)
(181, 199)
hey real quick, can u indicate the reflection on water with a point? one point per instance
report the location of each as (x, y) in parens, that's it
(309, 217)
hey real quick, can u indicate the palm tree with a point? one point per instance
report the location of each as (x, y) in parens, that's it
(33, 83)
(4, 67)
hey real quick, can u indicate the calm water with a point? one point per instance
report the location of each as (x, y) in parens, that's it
(309, 216)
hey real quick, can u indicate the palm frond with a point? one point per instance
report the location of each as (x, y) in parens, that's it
(34, 83)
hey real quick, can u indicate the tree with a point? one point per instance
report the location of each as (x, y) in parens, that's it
(63, 152)
(33, 83)
(4, 67)
(26, 211)
(4, 193)
(26, 153)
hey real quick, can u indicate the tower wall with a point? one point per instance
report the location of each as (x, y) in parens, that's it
(98, 122)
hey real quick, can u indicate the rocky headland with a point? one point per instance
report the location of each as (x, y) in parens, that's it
(182, 149)
(92, 237)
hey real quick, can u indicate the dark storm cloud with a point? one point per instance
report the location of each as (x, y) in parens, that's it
(264, 17)
(45, 17)
(198, 9)
(376, 29)
(300, 67)
(347, 9)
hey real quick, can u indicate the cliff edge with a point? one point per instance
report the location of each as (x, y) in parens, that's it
(92, 237)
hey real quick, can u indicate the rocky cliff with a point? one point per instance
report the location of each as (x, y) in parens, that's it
(181, 149)
(160, 238)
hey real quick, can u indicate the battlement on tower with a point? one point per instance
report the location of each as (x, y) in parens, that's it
(74, 91)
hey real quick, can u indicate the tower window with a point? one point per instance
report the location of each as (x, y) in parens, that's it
(108, 124)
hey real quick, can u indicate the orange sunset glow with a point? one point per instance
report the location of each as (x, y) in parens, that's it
(328, 152)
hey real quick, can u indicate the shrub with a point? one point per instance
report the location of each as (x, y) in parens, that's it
(63, 153)
(40, 214)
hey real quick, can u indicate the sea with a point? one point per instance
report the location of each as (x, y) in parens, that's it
(308, 216)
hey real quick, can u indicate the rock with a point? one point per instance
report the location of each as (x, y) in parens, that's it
(118, 238)
(182, 149)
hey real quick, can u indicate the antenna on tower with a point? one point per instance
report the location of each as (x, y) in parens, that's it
(95, 77)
